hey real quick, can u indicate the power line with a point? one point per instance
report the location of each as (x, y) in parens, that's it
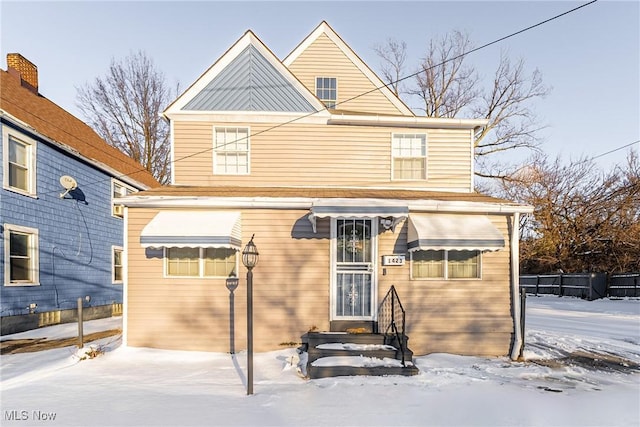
(478, 48)
(406, 77)
(484, 46)
(616, 149)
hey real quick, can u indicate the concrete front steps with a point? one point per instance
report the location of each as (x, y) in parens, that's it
(332, 354)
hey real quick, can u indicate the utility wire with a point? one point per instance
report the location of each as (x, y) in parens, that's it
(375, 89)
(616, 149)
(372, 90)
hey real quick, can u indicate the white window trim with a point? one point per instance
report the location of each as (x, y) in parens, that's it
(215, 151)
(113, 265)
(315, 83)
(114, 203)
(426, 157)
(35, 255)
(201, 275)
(445, 269)
(32, 155)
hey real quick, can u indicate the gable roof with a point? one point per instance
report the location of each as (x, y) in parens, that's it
(67, 131)
(325, 29)
(247, 77)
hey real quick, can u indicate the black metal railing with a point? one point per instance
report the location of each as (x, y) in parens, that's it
(391, 319)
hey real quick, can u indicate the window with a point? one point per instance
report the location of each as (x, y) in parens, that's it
(431, 264)
(21, 264)
(201, 262)
(231, 151)
(19, 167)
(219, 262)
(183, 262)
(428, 264)
(119, 189)
(327, 90)
(409, 156)
(463, 264)
(117, 265)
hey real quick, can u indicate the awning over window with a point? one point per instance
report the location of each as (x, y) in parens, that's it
(196, 229)
(361, 208)
(453, 232)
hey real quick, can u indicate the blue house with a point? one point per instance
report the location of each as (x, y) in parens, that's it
(61, 224)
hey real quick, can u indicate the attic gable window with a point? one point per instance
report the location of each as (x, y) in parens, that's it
(409, 156)
(231, 151)
(327, 90)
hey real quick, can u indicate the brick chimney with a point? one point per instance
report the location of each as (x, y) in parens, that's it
(23, 69)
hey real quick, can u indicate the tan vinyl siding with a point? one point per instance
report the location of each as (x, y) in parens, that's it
(291, 293)
(290, 289)
(466, 316)
(324, 59)
(307, 154)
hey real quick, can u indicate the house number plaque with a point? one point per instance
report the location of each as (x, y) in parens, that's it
(393, 260)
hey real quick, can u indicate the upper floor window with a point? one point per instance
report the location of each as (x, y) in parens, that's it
(409, 156)
(21, 267)
(231, 151)
(20, 164)
(441, 264)
(327, 90)
(119, 189)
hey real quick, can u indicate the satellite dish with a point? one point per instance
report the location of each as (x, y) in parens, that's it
(68, 183)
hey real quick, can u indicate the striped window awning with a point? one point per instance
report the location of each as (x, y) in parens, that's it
(357, 208)
(196, 229)
(453, 232)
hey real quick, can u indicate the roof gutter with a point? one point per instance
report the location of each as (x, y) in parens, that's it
(406, 121)
(427, 205)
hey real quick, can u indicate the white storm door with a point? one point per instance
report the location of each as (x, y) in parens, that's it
(354, 281)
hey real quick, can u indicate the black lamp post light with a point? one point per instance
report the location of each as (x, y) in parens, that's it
(250, 260)
(232, 284)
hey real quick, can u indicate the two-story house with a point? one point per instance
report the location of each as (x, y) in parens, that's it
(347, 193)
(62, 225)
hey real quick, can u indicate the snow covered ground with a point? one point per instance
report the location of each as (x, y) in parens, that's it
(582, 369)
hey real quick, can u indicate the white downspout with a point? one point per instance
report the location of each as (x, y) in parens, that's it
(125, 278)
(515, 285)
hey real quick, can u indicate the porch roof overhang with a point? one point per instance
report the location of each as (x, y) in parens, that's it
(258, 197)
(453, 232)
(361, 208)
(198, 229)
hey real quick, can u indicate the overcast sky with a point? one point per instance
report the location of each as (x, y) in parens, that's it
(590, 57)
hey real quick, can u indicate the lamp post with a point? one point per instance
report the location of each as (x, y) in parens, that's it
(232, 283)
(250, 259)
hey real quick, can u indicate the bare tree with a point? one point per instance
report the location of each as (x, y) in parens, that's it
(447, 86)
(124, 108)
(583, 220)
(393, 55)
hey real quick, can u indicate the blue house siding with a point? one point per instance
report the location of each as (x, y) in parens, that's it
(76, 234)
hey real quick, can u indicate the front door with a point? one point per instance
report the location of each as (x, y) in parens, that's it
(354, 286)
